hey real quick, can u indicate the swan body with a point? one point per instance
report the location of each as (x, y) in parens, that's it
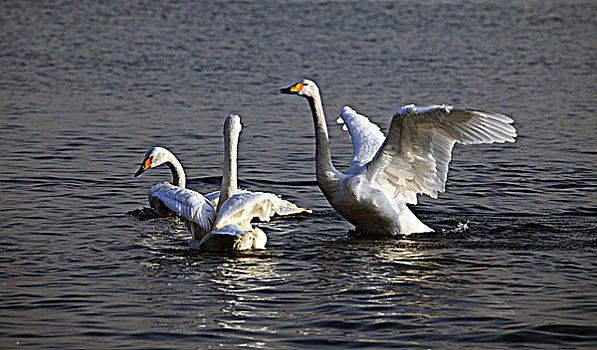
(220, 220)
(230, 227)
(387, 173)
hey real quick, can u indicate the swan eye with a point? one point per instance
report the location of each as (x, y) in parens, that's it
(297, 87)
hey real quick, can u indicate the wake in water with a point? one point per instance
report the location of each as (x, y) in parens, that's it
(460, 228)
(143, 214)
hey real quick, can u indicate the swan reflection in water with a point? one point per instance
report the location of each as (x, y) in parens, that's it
(249, 289)
(400, 285)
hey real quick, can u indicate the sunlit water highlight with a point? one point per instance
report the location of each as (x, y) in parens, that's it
(88, 87)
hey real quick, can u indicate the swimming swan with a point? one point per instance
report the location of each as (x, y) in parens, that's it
(386, 174)
(155, 157)
(218, 221)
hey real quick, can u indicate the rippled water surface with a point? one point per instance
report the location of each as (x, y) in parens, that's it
(88, 87)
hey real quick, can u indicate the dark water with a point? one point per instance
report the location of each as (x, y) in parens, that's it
(87, 87)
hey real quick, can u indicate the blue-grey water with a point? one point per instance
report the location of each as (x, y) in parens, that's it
(87, 87)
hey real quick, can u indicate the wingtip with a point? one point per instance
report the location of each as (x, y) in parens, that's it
(347, 109)
(403, 109)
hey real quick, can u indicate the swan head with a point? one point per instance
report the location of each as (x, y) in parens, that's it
(305, 88)
(154, 157)
(233, 125)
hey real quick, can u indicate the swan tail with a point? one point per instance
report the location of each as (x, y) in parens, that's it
(409, 223)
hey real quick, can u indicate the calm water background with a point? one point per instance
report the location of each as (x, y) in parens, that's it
(88, 87)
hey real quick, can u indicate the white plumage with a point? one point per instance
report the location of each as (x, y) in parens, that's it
(242, 207)
(415, 156)
(230, 227)
(386, 173)
(366, 137)
(189, 204)
(220, 220)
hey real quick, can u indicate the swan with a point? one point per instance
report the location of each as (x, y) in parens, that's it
(220, 220)
(155, 157)
(387, 173)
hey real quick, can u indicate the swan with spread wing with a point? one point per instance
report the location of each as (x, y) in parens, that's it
(387, 173)
(220, 220)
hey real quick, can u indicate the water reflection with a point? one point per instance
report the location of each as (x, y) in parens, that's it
(75, 268)
(248, 293)
(400, 289)
(246, 274)
(160, 235)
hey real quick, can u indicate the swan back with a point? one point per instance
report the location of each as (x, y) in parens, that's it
(233, 238)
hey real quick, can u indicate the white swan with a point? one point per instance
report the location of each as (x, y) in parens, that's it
(220, 220)
(155, 157)
(386, 174)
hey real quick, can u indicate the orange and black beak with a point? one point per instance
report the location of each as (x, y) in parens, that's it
(293, 89)
(143, 168)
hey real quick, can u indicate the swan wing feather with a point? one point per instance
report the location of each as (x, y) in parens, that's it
(366, 137)
(241, 208)
(189, 204)
(213, 197)
(415, 156)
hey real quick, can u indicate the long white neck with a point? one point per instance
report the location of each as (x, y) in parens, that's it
(178, 176)
(323, 159)
(229, 177)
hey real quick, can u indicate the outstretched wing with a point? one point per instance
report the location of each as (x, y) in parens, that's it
(288, 208)
(366, 137)
(187, 203)
(415, 156)
(214, 197)
(241, 208)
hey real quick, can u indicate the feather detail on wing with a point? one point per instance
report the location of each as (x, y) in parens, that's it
(285, 208)
(415, 156)
(214, 197)
(241, 208)
(366, 137)
(187, 203)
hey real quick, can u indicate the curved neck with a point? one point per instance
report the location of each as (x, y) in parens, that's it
(323, 157)
(229, 177)
(178, 176)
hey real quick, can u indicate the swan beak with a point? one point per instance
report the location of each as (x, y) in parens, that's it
(294, 89)
(139, 171)
(146, 165)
